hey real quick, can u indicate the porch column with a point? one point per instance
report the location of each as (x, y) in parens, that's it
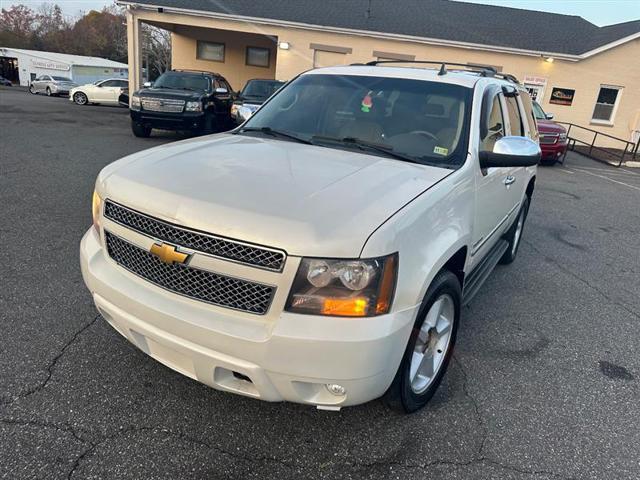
(134, 45)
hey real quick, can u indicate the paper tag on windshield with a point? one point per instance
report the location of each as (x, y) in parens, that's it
(441, 150)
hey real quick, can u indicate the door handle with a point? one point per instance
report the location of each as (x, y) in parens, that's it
(508, 180)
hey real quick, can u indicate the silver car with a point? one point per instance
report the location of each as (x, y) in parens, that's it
(51, 85)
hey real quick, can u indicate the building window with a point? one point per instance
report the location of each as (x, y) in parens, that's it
(606, 104)
(210, 51)
(258, 57)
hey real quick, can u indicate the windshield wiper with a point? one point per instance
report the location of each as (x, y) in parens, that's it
(363, 144)
(275, 133)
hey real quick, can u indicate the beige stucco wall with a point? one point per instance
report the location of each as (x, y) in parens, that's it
(234, 68)
(618, 66)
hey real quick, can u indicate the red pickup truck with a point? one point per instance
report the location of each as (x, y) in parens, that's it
(553, 136)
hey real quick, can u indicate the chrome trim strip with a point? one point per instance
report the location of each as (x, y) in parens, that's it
(197, 232)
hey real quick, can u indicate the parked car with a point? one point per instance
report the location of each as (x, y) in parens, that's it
(254, 94)
(5, 82)
(553, 136)
(104, 92)
(193, 101)
(52, 85)
(322, 252)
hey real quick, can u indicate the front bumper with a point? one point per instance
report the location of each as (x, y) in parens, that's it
(553, 150)
(169, 121)
(290, 357)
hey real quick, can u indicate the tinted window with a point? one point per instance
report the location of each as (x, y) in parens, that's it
(538, 112)
(260, 89)
(62, 79)
(110, 83)
(182, 81)
(514, 117)
(424, 120)
(495, 126)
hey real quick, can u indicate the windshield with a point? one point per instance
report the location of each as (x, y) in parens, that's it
(260, 89)
(182, 81)
(420, 120)
(61, 79)
(538, 112)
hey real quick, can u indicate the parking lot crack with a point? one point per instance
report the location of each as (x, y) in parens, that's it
(476, 408)
(51, 366)
(584, 281)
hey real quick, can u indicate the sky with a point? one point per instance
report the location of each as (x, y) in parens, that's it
(599, 12)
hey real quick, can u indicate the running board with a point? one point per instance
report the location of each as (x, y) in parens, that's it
(479, 274)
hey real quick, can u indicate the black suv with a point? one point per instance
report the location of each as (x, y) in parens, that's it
(199, 102)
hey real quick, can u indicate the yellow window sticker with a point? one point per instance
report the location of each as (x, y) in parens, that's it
(441, 151)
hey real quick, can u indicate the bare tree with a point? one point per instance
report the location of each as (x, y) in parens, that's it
(156, 48)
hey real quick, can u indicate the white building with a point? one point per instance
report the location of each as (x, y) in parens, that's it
(23, 66)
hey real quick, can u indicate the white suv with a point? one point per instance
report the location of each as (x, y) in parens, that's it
(320, 253)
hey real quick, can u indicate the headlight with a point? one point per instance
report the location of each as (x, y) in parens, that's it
(562, 137)
(193, 107)
(96, 208)
(344, 288)
(135, 102)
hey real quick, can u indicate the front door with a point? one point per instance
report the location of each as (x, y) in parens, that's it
(493, 202)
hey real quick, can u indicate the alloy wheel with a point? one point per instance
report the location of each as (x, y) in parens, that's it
(432, 343)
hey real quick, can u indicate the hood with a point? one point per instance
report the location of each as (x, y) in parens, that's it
(548, 126)
(307, 200)
(169, 93)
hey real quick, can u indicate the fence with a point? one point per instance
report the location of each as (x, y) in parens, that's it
(587, 139)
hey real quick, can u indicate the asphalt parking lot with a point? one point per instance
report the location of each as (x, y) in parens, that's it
(545, 382)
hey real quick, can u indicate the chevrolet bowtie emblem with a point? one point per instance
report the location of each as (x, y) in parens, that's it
(168, 253)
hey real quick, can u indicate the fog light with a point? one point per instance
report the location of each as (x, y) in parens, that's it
(337, 390)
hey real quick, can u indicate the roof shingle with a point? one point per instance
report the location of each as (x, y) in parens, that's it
(436, 19)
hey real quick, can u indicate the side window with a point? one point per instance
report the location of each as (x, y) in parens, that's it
(495, 126)
(514, 117)
(530, 116)
(108, 83)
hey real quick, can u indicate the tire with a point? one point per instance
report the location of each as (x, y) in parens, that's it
(411, 391)
(140, 130)
(48, 92)
(210, 124)
(79, 98)
(32, 90)
(514, 235)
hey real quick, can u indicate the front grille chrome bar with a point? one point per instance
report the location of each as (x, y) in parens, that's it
(228, 249)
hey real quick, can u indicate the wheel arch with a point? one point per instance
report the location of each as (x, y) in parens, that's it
(531, 186)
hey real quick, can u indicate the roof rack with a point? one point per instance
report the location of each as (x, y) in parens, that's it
(204, 72)
(483, 70)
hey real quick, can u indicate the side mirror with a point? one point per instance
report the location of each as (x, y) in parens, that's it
(549, 116)
(511, 152)
(221, 90)
(147, 84)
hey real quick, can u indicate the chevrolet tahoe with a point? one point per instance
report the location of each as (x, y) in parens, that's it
(321, 252)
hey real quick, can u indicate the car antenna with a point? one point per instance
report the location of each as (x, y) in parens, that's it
(443, 70)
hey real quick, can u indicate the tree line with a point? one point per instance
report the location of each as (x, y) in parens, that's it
(94, 33)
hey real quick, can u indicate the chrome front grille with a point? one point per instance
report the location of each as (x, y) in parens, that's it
(162, 105)
(191, 282)
(220, 247)
(548, 139)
